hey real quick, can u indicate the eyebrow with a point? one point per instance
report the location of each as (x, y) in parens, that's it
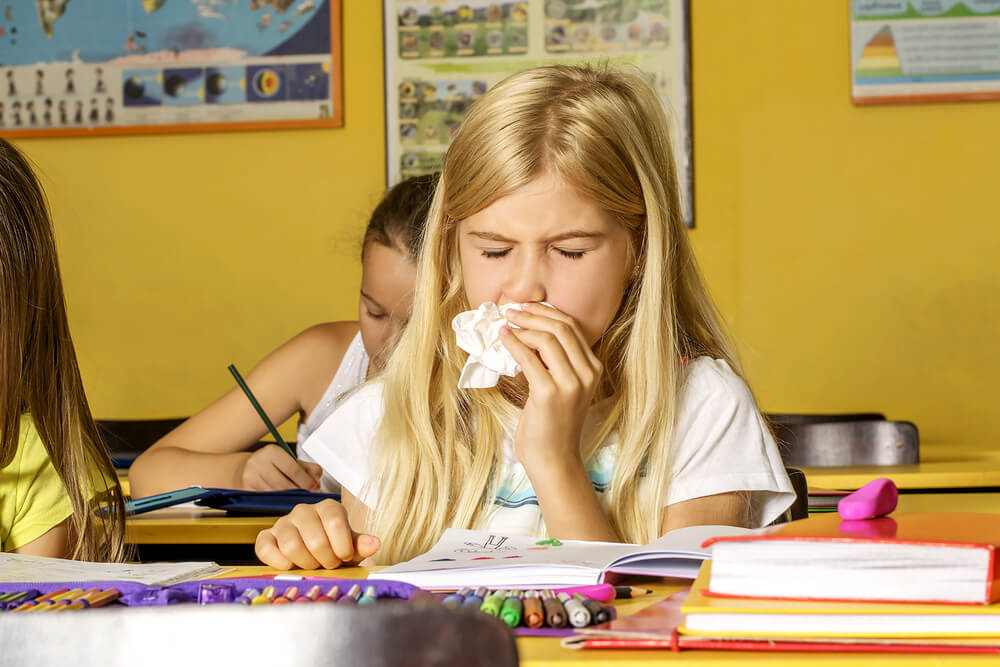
(571, 234)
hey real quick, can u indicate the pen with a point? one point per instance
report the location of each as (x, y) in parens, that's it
(578, 615)
(510, 612)
(260, 411)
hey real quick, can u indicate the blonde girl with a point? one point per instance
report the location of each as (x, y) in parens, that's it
(631, 416)
(54, 470)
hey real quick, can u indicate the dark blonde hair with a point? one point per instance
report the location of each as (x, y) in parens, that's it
(398, 220)
(39, 375)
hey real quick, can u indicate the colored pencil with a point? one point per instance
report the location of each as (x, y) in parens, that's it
(99, 599)
(625, 592)
(260, 411)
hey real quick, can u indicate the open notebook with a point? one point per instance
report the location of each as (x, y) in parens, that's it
(19, 568)
(478, 558)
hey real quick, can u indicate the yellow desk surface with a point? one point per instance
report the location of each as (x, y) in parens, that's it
(208, 526)
(941, 467)
(545, 651)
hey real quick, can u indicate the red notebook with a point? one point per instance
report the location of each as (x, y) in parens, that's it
(942, 557)
(655, 627)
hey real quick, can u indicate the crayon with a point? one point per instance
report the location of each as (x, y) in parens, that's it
(475, 600)
(598, 612)
(99, 599)
(369, 596)
(19, 598)
(330, 596)
(599, 592)
(266, 596)
(555, 613)
(625, 592)
(455, 600)
(46, 600)
(289, 595)
(248, 596)
(492, 603)
(534, 613)
(311, 595)
(47, 604)
(351, 596)
(510, 612)
(578, 615)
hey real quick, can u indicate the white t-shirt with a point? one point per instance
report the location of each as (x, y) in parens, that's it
(720, 445)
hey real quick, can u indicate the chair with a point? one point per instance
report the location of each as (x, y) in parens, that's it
(799, 509)
(869, 442)
(125, 439)
(807, 418)
(381, 635)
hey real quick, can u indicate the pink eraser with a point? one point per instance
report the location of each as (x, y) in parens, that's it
(876, 498)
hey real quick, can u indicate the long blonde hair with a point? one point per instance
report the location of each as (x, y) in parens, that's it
(604, 132)
(38, 369)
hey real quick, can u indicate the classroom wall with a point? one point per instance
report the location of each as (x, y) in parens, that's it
(851, 249)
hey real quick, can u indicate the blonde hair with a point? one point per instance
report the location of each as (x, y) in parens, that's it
(604, 132)
(38, 370)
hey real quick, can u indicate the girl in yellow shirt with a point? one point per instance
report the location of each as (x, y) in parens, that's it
(54, 471)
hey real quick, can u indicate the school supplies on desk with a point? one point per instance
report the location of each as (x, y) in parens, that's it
(471, 558)
(21, 568)
(931, 557)
(755, 617)
(656, 627)
(234, 501)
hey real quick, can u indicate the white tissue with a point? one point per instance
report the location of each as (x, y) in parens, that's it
(478, 333)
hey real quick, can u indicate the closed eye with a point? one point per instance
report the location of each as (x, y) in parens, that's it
(571, 254)
(495, 254)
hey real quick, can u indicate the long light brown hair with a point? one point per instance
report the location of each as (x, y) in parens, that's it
(38, 368)
(603, 132)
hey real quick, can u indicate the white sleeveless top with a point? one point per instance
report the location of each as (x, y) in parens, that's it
(353, 371)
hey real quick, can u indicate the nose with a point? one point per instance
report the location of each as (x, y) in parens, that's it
(525, 279)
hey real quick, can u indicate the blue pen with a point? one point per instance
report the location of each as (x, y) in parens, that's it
(455, 600)
(475, 600)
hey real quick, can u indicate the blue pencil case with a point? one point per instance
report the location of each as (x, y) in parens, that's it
(233, 501)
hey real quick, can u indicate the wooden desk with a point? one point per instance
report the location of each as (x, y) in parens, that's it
(547, 652)
(194, 526)
(940, 467)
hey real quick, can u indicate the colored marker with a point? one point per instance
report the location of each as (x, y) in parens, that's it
(555, 613)
(351, 596)
(289, 595)
(598, 612)
(578, 615)
(455, 600)
(248, 596)
(311, 595)
(330, 596)
(422, 597)
(369, 596)
(625, 592)
(534, 613)
(492, 603)
(599, 592)
(266, 596)
(475, 600)
(510, 612)
(99, 599)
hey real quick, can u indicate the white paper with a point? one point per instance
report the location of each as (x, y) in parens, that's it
(21, 568)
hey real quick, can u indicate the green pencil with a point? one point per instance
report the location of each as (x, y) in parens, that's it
(263, 415)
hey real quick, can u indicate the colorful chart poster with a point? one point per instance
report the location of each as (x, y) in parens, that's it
(71, 67)
(925, 50)
(442, 55)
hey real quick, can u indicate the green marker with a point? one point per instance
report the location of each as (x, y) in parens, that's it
(510, 612)
(491, 605)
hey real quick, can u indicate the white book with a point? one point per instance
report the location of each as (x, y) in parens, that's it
(481, 558)
(20, 568)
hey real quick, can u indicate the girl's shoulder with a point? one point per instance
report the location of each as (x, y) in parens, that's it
(709, 380)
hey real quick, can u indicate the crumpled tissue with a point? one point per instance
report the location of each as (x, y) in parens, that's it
(478, 333)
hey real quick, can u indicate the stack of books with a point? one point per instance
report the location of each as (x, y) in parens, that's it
(905, 583)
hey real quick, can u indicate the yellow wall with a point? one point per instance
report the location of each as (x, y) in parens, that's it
(850, 248)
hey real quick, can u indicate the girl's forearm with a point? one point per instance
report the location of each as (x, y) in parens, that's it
(170, 468)
(569, 503)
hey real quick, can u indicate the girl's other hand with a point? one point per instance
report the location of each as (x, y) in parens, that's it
(562, 373)
(270, 468)
(314, 537)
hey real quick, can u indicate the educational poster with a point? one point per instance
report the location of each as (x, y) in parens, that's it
(442, 55)
(924, 50)
(72, 67)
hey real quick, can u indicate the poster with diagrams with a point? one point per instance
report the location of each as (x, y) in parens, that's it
(71, 67)
(442, 55)
(924, 50)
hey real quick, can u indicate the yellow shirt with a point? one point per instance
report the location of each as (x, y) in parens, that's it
(33, 498)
